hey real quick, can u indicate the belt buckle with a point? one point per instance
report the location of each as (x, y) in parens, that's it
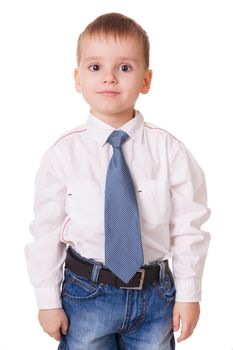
(141, 279)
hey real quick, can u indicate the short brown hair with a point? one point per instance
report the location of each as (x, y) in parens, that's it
(119, 26)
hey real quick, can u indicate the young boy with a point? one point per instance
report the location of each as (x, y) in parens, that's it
(115, 198)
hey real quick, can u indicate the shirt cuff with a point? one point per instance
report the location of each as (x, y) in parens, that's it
(188, 290)
(48, 298)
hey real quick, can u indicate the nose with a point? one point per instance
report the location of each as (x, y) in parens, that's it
(109, 78)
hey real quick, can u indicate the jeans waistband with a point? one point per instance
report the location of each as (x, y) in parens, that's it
(97, 266)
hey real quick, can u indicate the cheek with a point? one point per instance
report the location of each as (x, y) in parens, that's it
(87, 95)
(87, 86)
(133, 88)
(89, 92)
(135, 82)
(86, 79)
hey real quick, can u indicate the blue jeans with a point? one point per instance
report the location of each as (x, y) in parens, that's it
(103, 317)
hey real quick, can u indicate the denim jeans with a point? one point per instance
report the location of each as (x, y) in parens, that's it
(103, 317)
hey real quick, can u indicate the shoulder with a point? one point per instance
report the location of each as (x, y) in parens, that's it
(153, 129)
(67, 136)
(178, 152)
(64, 143)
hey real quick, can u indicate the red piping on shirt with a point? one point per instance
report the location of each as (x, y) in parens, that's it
(63, 230)
(69, 133)
(161, 130)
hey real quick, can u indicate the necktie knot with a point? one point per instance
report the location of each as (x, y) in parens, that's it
(117, 138)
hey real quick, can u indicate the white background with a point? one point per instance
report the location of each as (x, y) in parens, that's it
(191, 96)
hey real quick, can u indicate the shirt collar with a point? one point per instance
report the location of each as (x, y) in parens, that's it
(100, 130)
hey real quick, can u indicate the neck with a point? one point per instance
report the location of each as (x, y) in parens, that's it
(115, 120)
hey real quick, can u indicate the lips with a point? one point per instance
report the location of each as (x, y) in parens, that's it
(108, 93)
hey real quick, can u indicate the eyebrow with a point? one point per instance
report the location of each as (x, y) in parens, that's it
(129, 59)
(99, 58)
(92, 59)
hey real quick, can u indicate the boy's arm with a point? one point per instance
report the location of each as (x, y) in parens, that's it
(189, 243)
(46, 254)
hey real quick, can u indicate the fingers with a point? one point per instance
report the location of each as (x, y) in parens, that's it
(186, 332)
(176, 321)
(54, 322)
(56, 335)
(64, 326)
(185, 314)
(52, 332)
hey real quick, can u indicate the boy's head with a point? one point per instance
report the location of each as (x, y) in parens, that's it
(113, 62)
(118, 26)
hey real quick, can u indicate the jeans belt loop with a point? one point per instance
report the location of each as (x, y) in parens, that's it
(95, 272)
(162, 269)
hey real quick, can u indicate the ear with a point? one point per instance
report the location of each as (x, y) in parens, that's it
(77, 80)
(146, 82)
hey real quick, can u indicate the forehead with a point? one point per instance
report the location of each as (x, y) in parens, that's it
(100, 45)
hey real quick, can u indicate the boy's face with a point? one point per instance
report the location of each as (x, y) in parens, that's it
(111, 75)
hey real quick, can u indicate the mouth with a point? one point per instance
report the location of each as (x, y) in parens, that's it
(108, 93)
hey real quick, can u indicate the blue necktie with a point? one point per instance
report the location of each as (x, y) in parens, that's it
(123, 246)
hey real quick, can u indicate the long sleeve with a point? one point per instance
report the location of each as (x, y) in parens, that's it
(46, 254)
(189, 243)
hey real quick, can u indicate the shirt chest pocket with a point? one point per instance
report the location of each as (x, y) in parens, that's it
(84, 202)
(153, 201)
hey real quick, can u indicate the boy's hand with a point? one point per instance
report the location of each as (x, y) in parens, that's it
(54, 322)
(188, 313)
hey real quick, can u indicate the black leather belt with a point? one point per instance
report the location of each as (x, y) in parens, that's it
(147, 274)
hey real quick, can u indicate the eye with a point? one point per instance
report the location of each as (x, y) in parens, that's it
(94, 67)
(125, 68)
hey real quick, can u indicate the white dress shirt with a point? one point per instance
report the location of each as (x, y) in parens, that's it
(69, 204)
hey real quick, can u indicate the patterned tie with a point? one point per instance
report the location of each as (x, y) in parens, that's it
(123, 246)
